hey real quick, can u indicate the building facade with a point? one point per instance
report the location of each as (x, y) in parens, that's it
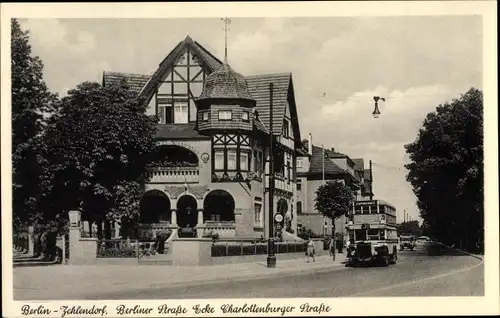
(211, 169)
(316, 166)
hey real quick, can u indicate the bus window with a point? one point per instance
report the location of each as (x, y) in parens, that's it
(360, 235)
(373, 234)
(382, 234)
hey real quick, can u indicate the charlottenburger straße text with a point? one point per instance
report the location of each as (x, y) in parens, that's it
(169, 310)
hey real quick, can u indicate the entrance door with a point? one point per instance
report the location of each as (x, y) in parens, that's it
(187, 216)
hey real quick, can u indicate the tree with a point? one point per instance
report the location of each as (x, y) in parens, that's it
(334, 199)
(446, 170)
(97, 148)
(31, 103)
(410, 227)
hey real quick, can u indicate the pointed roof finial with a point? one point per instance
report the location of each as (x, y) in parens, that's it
(227, 22)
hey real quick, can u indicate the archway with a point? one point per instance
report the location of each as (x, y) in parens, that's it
(154, 207)
(187, 215)
(219, 206)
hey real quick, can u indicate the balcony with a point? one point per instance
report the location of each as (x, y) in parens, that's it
(280, 183)
(287, 142)
(173, 174)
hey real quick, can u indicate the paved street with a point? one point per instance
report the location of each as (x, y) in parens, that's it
(415, 274)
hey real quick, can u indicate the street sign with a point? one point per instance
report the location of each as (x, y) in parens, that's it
(278, 217)
(360, 203)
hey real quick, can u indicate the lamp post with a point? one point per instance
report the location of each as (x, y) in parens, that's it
(376, 111)
(271, 258)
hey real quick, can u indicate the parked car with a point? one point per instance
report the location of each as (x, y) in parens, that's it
(423, 239)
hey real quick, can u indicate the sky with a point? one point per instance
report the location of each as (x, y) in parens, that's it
(337, 63)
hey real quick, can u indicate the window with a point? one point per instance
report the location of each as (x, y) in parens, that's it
(225, 115)
(372, 234)
(219, 160)
(231, 160)
(299, 207)
(181, 113)
(382, 234)
(166, 113)
(299, 184)
(258, 214)
(244, 161)
(245, 116)
(285, 128)
(300, 162)
(215, 217)
(205, 116)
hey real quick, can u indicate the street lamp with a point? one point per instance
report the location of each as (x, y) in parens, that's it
(271, 258)
(376, 111)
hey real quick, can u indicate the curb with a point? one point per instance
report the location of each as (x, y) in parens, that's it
(245, 277)
(462, 251)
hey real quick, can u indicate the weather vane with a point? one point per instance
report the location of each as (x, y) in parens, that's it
(227, 22)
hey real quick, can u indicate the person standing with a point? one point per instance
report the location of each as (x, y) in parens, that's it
(331, 247)
(310, 250)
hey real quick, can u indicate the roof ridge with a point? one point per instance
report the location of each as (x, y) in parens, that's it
(125, 73)
(207, 51)
(269, 74)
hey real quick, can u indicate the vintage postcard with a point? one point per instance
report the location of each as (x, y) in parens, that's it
(249, 159)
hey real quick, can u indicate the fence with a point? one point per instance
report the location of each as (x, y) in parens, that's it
(117, 248)
(255, 248)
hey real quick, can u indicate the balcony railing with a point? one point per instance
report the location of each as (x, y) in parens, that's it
(281, 183)
(286, 142)
(173, 174)
(225, 229)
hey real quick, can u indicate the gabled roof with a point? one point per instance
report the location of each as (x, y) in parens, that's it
(135, 81)
(359, 164)
(207, 61)
(316, 165)
(367, 175)
(174, 131)
(258, 86)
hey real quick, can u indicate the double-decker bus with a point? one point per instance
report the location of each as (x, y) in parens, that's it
(372, 231)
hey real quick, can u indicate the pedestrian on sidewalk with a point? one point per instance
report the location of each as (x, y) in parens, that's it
(331, 248)
(310, 250)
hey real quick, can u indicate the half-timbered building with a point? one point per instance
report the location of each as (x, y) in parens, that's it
(211, 170)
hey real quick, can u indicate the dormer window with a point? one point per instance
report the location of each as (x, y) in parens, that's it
(245, 116)
(204, 116)
(225, 115)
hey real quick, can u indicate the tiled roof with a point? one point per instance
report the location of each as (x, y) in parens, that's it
(260, 125)
(316, 165)
(359, 164)
(135, 81)
(225, 83)
(176, 131)
(258, 86)
(367, 175)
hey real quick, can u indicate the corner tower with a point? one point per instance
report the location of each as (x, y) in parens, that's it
(225, 111)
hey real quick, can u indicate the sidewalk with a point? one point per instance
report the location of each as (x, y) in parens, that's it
(70, 282)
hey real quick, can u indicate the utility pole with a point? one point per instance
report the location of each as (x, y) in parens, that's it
(371, 181)
(271, 258)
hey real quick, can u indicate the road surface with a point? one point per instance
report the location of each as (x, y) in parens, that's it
(415, 274)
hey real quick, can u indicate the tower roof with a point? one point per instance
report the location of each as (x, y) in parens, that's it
(225, 83)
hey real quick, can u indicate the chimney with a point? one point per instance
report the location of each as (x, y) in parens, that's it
(310, 145)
